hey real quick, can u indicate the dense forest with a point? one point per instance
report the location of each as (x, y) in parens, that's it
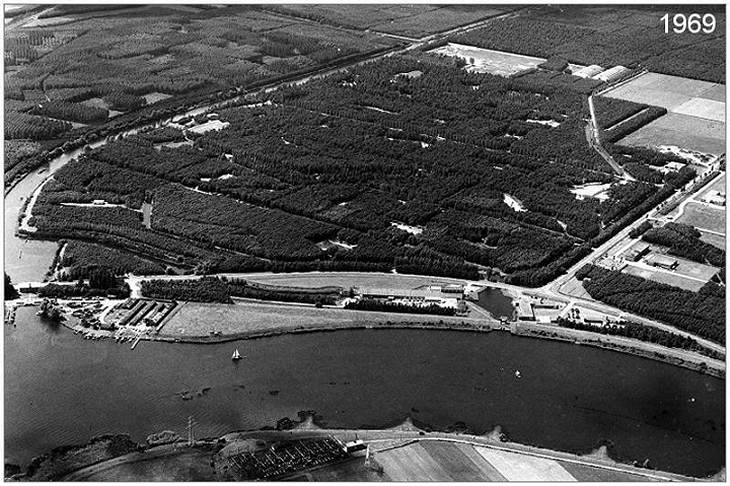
(447, 174)
(701, 313)
(206, 289)
(213, 289)
(251, 290)
(80, 259)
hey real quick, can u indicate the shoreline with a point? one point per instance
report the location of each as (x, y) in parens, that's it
(380, 439)
(641, 349)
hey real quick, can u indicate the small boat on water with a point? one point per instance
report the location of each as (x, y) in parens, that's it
(236, 356)
(518, 374)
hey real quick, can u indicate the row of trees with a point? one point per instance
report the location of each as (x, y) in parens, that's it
(684, 241)
(637, 331)
(382, 306)
(700, 313)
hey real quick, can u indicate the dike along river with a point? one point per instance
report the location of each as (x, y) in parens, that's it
(61, 389)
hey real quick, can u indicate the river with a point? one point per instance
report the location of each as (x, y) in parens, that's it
(29, 260)
(61, 389)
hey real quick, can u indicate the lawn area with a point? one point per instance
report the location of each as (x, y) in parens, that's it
(246, 317)
(675, 279)
(713, 239)
(704, 216)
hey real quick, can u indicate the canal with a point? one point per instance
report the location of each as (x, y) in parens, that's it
(61, 389)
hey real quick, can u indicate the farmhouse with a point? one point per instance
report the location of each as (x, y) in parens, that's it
(662, 261)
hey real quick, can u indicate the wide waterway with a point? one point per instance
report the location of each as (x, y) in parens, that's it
(61, 389)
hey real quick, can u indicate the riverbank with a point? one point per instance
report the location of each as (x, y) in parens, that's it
(432, 453)
(641, 349)
(257, 320)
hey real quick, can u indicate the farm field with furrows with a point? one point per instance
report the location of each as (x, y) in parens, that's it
(453, 461)
(75, 69)
(408, 163)
(695, 118)
(607, 36)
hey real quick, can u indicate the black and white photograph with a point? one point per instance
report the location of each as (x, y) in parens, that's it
(372, 242)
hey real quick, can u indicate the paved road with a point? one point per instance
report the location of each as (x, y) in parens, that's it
(594, 140)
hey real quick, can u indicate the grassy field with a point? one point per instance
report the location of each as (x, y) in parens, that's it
(183, 465)
(713, 239)
(695, 270)
(347, 280)
(675, 129)
(200, 320)
(703, 216)
(676, 279)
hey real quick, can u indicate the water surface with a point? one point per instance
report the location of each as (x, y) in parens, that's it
(60, 389)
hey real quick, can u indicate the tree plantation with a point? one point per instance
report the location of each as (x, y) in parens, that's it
(448, 173)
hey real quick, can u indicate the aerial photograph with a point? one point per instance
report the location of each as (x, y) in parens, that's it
(364, 242)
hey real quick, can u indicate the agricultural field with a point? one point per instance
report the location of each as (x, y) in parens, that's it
(449, 461)
(676, 130)
(437, 179)
(608, 36)
(405, 20)
(696, 112)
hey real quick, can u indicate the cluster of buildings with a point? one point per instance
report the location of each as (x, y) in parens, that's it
(594, 71)
(536, 309)
(133, 312)
(451, 296)
(642, 250)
